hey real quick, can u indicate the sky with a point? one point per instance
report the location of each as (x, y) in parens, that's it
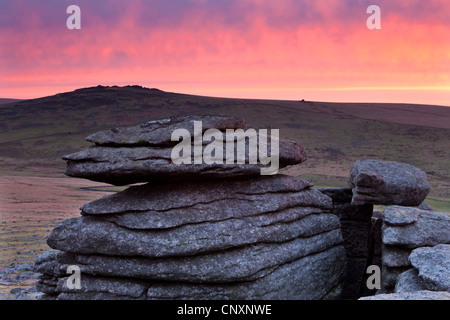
(319, 50)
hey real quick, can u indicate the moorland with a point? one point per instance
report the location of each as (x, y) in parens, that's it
(35, 134)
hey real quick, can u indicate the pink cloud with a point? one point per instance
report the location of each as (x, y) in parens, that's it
(227, 46)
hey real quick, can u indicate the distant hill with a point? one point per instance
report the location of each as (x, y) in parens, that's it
(40, 131)
(6, 100)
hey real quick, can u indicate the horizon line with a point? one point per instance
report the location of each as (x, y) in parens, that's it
(251, 93)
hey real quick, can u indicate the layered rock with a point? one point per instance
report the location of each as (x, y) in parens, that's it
(144, 153)
(239, 264)
(433, 266)
(405, 229)
(409, 281)
(407, 222)
(308, 278)
(158, 132)
(238, 236)
(172, 205)
(387, 183)
(231, 250)
(215, 230)
(101, 237)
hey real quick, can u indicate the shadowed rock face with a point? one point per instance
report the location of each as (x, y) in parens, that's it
(141, 154)
(387, 183)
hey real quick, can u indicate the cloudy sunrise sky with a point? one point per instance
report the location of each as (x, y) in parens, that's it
(316, 50)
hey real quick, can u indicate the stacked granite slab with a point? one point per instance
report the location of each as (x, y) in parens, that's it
(123, 156)
(415, 295)
(387, 182)
(200, 231)
(406, 229)
(428, 279)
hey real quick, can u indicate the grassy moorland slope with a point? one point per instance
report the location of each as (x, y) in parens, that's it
(38, 132)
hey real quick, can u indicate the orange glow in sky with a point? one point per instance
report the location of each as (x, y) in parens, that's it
(313, 50)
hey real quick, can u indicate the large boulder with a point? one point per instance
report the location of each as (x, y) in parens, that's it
(409, 281)
(431, 270)
(387, 183)
(433, 266)
(159, 132)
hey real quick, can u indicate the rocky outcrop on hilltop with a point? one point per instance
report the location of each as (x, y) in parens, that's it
(238, 236)
(208, 228)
